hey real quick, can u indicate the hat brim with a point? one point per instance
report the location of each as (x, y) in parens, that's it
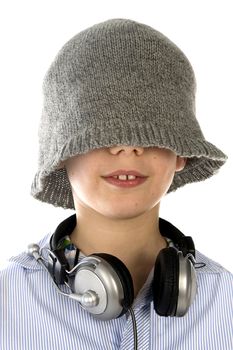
(51, 184)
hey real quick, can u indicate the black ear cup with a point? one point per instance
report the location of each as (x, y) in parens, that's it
(165, 285)
(125, 278)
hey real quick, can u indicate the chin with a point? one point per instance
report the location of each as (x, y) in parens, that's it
(121, 213)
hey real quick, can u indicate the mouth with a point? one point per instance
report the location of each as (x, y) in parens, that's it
(125, 179)
(125, 174)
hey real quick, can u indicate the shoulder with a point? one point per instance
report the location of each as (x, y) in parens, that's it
(20, 264)
(213, 271)
(20, 283)
(215, 286)
(210, 266)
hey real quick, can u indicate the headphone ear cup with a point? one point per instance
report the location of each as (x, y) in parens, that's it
(165, 286)
(125, 278)
(110, 279)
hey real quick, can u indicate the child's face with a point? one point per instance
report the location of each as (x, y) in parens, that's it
(90, 190)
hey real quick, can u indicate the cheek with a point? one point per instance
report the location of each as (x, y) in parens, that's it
(79, 181)
(77, 171)
(164, 177)
(83, 187)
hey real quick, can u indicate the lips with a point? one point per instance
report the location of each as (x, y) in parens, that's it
(112, 178)
(125, 172)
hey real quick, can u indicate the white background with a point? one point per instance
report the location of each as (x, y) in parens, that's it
(31, 35)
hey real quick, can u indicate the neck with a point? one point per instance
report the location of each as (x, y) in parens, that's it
(132, 240)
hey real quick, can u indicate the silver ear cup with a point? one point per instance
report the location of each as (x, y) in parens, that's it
(187, 285)
(95, 274)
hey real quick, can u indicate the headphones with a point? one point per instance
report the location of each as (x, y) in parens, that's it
(103, 286)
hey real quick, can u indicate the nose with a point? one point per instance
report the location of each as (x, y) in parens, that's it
(127, 150)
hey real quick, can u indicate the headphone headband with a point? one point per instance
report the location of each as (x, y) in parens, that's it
(183, 243)
(64, 228)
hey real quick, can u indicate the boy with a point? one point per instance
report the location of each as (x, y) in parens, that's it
(118, 131)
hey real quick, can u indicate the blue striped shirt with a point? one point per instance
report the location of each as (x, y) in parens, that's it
(34, 316)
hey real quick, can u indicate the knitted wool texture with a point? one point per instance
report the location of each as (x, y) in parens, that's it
(119, 82)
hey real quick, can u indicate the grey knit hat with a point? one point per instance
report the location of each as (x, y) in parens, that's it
(119, 82)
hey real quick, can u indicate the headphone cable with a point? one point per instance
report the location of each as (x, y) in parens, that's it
(134, 328)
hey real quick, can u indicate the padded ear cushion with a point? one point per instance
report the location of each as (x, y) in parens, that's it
(125, 278)
(165, 286)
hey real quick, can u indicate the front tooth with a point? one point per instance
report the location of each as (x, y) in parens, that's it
(122, 177)
(131, 177)
(125, 177)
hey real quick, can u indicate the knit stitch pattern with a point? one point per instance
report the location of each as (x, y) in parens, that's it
(119, 82)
